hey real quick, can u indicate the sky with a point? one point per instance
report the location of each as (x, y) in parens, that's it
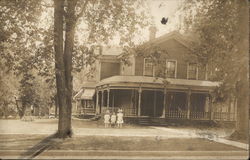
(158, 10)
(164, 8)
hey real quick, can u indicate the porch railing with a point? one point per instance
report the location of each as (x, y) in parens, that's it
(176, 114)
(86, 111)
(129, 111)
(224, 116)
(200, 115)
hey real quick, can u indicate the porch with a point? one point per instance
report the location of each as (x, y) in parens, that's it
(160, 103)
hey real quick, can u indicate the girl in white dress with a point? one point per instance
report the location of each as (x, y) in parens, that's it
(119, 118)
(107, 119)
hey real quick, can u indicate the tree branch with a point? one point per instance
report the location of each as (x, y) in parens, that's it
(82, 11)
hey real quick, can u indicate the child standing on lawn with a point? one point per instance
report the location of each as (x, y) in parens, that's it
(119, 118)
(107, 119)
(113, 119)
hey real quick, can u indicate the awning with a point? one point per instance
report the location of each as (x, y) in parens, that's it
(88, 94)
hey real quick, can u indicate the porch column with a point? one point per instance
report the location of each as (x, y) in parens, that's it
(108, 91)
(211, 107)
(113, 99)
(154, 103)
(188, 103)
(102, 99)
(164, 104)
(97, 102)
(229, 109)
(139, 102)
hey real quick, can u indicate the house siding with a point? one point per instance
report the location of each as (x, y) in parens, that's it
(201, 72)
(176, 51)
(139, 64)
(109, 69)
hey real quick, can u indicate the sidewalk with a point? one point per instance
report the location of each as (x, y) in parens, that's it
(209, 136)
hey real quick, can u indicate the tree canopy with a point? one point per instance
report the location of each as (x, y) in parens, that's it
(221, 31)
(29, 39)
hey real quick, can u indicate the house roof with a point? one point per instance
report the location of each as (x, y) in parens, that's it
(154, 80)
(111, 50)
(184, 40)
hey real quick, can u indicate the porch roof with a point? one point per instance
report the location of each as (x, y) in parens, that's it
(159, 81)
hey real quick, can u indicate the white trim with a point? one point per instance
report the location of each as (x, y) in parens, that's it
(175, 74)
(144, 68)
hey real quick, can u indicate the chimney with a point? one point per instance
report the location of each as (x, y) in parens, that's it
(152, 32)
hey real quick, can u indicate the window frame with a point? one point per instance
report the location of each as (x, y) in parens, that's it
(197, 71)
(171, 60)
(144, 60)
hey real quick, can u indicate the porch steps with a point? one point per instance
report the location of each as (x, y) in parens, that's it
(147, 121)
(144, 121)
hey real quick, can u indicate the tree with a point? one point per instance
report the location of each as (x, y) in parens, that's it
(99, 21)
(103, 19)
(30, 54)
(222, 43)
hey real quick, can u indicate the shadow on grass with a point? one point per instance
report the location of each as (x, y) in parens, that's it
(42, 146)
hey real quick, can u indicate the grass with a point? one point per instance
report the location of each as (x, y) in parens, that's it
(17, 142)
(141, 143)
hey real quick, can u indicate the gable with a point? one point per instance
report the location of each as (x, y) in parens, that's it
(175, 49)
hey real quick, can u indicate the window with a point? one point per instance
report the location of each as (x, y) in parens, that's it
(148, 67)
(171, 68)
(192, 71)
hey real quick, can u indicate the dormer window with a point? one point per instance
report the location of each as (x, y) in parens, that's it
(148, 67)
(171, 68)
(192, 72)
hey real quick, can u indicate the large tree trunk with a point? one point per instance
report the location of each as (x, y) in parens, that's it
(68, 49)
(242, 87)
(64, 129)
(242, 110)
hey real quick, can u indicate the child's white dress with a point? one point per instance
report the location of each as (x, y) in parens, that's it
(113, 118)
(106, 118)
(119, 118)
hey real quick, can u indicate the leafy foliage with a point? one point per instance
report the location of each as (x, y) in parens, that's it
(219, 44)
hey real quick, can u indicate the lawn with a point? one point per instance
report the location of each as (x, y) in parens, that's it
(141, 143)
(20, 142)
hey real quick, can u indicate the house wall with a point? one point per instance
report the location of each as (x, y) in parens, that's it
(139, 64)
(128, 70)
(109, 69)
(176, 51)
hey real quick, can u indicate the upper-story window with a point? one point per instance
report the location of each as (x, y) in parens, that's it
(171, 68)
(192, 72)
(148, 67)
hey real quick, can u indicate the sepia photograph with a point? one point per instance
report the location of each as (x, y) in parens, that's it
(124, 79)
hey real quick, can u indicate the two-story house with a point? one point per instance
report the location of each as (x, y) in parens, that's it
(140, 93)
